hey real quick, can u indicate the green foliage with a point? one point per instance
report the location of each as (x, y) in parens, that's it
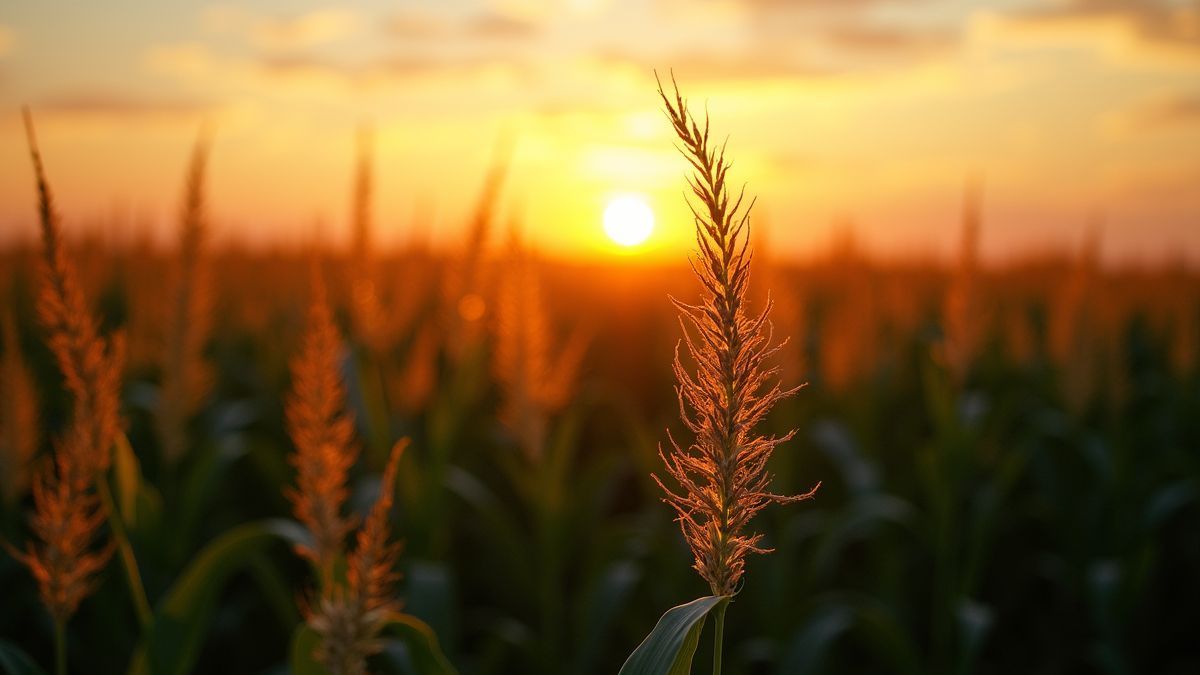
(974, 525)
(669, 648)
(303, 659)
(422, 655)
(181, 617)
(13, 661)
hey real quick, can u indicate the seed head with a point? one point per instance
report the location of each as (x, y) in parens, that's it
(722, 473)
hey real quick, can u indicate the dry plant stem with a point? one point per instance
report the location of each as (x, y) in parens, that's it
(322, 431)
(361, 209)
(60, 647)
(186, 377)
(373, 323)
(537, 376)
(65, 521)
(351, 616)
(91, 367)
(722, 473)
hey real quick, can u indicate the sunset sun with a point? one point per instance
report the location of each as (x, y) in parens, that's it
(628, 220)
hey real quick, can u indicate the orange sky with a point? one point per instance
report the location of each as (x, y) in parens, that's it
(872, 112)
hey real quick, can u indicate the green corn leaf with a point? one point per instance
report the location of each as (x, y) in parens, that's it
(129, 479)
(303, 659)
(599, 612)
(669, 648)
(420, 644)
(203, 477)
(14, 661)
(173, 639)
(873, 628)
(129, 486)
(429, 596)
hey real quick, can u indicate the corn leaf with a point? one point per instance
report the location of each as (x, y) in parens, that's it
(429, 596)
(420, 644)
(14, 661)
(599, 612)
(303, 659)
(129, 479)
(181, 617)
(669, 648)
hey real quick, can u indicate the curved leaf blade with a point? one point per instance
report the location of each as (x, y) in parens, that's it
(669, 648)
(129, 479)
(303, 660)
(421, 644)
(14, 661)
(181, 618)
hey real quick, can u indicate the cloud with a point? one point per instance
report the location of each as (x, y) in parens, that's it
(379, 70)
(7, 39)
(845, 49)
(1174, 110)
(762, 63)
(839, 5)
(548, 10)
(1156, 24)
(487, 25)
(186, 58)
(309, 29)
(117, 104)
(498, 26)
(270, 69)
(859, 37)
(417, 25)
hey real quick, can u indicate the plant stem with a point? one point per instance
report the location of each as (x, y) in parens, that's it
(121, 537)
(719, 635)
(60, 647)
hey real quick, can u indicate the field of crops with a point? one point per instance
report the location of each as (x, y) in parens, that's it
(1008, 458)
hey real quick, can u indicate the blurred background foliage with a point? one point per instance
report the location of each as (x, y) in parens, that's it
(1010, 459)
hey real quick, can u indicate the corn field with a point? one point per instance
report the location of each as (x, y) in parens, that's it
(224, 459)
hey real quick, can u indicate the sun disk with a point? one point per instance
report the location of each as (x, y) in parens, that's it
(628, 220)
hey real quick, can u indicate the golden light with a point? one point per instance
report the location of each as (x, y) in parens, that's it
(628, 220)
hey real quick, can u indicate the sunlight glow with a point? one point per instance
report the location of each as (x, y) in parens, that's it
(628, 220)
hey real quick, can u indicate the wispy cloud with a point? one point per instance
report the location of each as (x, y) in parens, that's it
(726, 65)
(378, 70)
(119, 104)
(300, 31)
(7, 39)
(416, 24)
(1180, 109)
(892, 40)
(798, 5)
(491, 25)
(1164, 25)
(201, 64)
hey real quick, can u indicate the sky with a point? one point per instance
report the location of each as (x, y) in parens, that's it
(867, 116)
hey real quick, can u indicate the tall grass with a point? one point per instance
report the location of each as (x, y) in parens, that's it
(67, 516)
(187, 378)
(722, 474)
(323, 434)
(537, 376)
(355, 598)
